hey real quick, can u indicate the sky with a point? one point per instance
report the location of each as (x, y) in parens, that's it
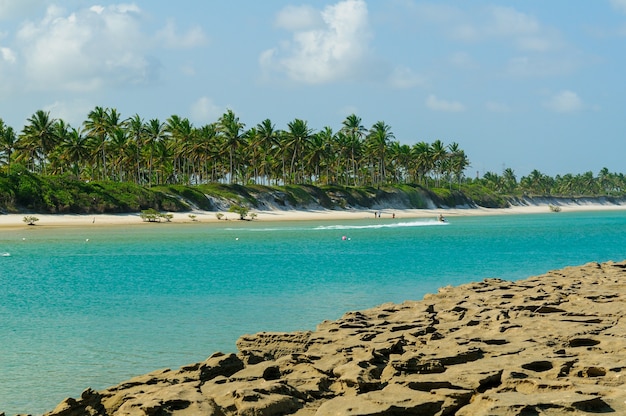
(526, 84)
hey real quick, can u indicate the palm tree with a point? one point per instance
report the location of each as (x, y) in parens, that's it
(39, 138)
(354, 132)
(536, 183)
(119, 146)
(509, 180)
(423, 161)
(204, 151)
(605, 181)
(137, 133)
(75, 149)
(96, 127)
(438, 154)
(318, 153)
(297, 138)
(378, 137)
(400, 161)
(8, 143)
(457, 162)
(492, 181)
(230, 129)
(155, 134)
(327, 157)
(267, 139)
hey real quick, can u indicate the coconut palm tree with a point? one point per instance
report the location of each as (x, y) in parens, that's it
(354, 131)
(203, 153)
(492, 181)
(325, 152)
(297, 137)
(97, 127)
(438, 154)
(181, 131)
(119, 146)
(457, 162)
(317, 155)
(423, 161)
(509, 180)
(267, 139)
(400, 161)
(230, 129)
(155, 134)
(75, 149)
(38, 138)
(8, 144)
(136, 130)
(378, 138)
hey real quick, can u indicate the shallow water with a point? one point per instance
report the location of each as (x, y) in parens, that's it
(91, 307)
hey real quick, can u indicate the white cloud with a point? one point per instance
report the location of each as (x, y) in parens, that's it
(7, 55)
(204, 110)
(321, 55)
(15, 8)
(404, 78)
(438, 104)
(463, 60)
(540, 66)
(524, 30)
(85, 50)
(171, 39)
(72, 112)
(294, 18)
(619, 5)
(507, 21)
(564, 102)
(497, 107)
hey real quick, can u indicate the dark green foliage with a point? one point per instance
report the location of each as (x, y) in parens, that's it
(188, 194)
(22, 191)
(416, 195)
(484, 197)
(64, 194)
(240, 210)
(303, 195)
(445, 197)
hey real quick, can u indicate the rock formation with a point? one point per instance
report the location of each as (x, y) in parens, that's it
(548, 345)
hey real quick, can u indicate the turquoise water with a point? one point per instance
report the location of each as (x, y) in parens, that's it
(91, 307)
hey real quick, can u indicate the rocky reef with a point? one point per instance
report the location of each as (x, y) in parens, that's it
(554, 344)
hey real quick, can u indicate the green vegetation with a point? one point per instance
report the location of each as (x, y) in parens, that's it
(30, 219)
(241, 211)
(23, 190)
(152, 215)
(109, 164)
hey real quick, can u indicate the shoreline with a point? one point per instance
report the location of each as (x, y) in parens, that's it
(8, 221)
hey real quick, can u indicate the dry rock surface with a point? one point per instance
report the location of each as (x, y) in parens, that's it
(548, 345)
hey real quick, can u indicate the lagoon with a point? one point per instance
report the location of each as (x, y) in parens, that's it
(91, 307)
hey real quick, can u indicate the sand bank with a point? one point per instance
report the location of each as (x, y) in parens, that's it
(69, 220)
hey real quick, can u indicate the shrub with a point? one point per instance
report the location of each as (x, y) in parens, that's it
(239, 209)
(30, 219)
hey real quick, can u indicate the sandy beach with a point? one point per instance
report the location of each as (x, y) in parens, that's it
(74, 220)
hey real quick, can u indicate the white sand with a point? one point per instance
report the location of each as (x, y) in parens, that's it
(16, 220)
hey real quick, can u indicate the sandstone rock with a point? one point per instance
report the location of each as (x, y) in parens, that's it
(548, 345)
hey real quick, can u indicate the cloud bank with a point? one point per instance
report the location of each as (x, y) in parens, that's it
(326, 46)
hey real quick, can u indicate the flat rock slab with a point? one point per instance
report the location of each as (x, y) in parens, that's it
(554, 344)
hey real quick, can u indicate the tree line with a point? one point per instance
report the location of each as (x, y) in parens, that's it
(606, 183)
(174, 151)
(107, 147)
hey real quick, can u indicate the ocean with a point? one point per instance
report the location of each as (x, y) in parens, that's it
(94, 306)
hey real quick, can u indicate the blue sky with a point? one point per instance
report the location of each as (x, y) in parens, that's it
(528, 84)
